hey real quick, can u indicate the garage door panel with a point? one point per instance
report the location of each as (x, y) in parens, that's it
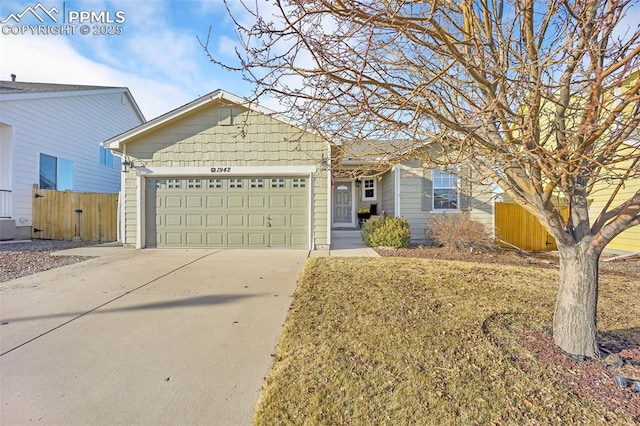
(215, 201)
(235, 220)
(215, 220)
(174, 239)
(298, 220)
(257, 239)
(277, 201)
(194, 220)
(215, 239)
(278, 239)
(256, 201)
(257, 220)
(278, 220)
(195, 239)
(235, 201)
(173, 220)
(173, 201)
(236, 239)
(298, 201)
(194, 201)
(298, 240)
(228, 212)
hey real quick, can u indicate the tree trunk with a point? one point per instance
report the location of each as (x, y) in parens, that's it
(574, 320)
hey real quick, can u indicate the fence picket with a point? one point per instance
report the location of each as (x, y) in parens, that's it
(55, 218)
(517, 226)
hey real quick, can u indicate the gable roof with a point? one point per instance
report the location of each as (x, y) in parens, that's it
(21, 90)
(218, 95)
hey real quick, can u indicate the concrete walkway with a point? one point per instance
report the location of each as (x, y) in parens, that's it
(144, 337)
(97, 250)
(346, 243)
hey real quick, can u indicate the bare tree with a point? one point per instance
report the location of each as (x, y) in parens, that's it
(540, 96)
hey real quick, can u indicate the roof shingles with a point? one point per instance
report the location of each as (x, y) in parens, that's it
(24, 87)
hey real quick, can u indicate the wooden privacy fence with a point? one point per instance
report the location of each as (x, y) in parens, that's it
(65, 215)
(517, 226)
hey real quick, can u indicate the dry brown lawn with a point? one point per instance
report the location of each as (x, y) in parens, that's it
(401, 341)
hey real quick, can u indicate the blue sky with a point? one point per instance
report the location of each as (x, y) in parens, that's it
(157, 56)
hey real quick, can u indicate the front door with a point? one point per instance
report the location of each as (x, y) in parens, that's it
(342, 203)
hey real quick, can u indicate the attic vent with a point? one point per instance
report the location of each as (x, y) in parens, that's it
(225, 117)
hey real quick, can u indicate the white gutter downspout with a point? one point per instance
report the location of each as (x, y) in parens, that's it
(396, 184)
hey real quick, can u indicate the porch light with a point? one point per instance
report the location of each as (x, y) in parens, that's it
(324, 162)
(127, 164)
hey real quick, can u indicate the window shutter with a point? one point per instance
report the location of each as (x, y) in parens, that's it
(427, 191)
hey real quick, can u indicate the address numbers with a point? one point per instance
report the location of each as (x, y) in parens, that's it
(221, 170)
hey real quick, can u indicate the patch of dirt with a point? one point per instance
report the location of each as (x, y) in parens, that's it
(594, 379)
(627, 267)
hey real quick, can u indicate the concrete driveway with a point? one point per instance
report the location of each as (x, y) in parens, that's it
(144, 337)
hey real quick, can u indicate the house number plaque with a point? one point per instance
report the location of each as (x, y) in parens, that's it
(221, 170)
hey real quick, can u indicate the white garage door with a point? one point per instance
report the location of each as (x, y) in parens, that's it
(255, 212)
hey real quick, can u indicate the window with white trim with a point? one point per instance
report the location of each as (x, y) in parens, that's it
(446, 193)
(368, 189)
(55, 173)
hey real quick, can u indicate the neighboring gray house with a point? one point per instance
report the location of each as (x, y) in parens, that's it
(219, 172)
(50, 135)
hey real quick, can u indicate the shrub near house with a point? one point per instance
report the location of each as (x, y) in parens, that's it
(458, 231)
(387, 232)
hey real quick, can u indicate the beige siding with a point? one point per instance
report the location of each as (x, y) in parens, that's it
(482, 198)
(411, 203)
(131, 212)
(629, 240)
(411, 200)
(387, 188)
(201, 139)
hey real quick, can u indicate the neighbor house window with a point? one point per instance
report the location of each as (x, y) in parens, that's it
(55, 173)
(445, 191)
(106, 157)
(368, 189)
